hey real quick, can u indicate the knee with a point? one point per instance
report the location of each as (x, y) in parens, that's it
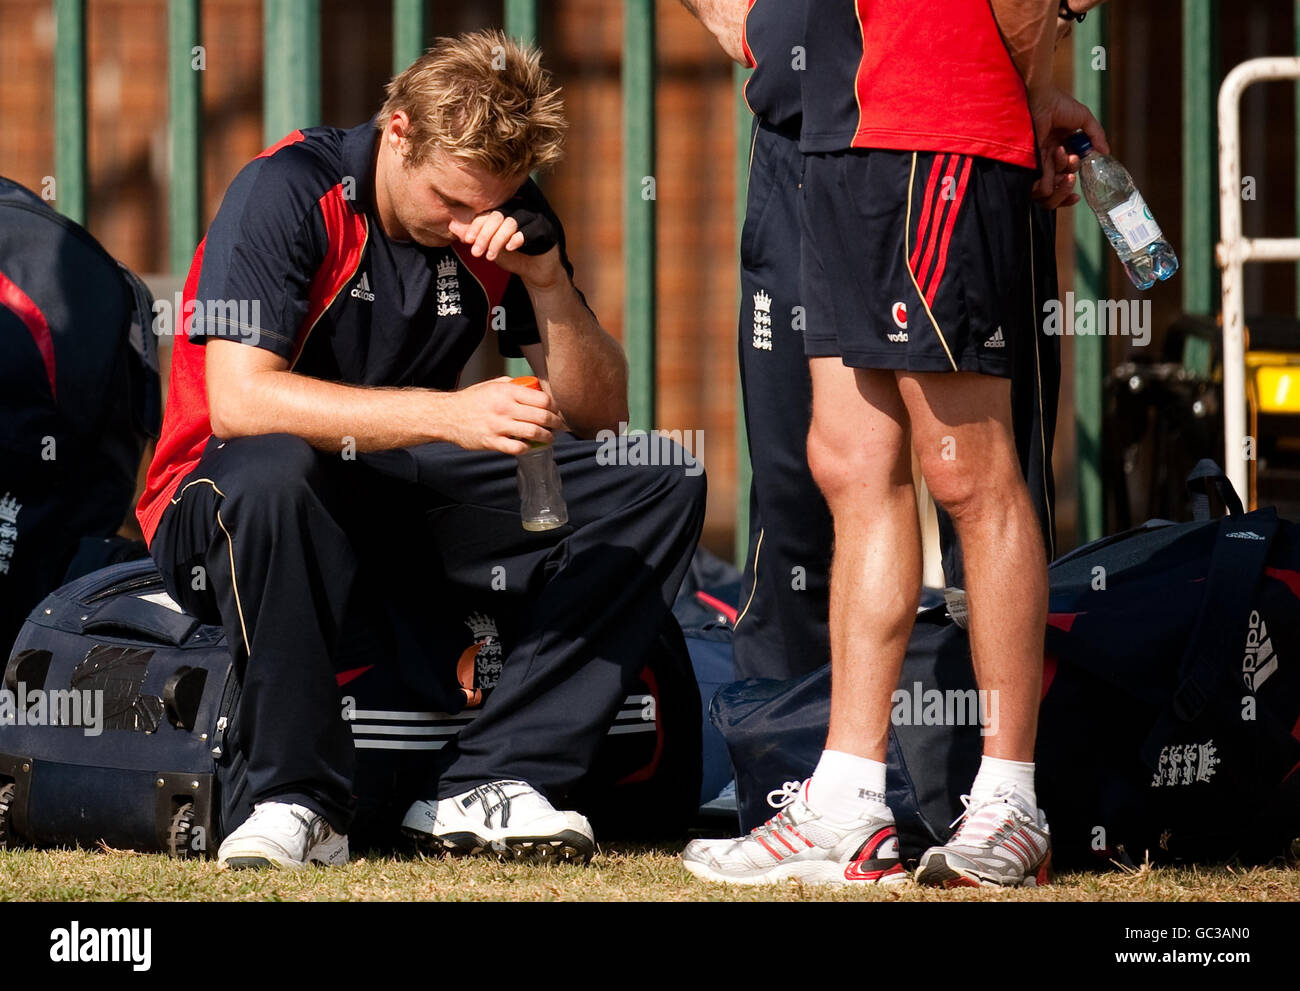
(828, 470)
(849, 469)
(953, 489)
(968, 488)
(271, 470)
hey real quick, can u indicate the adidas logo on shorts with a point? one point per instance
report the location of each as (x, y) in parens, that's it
(997, 340)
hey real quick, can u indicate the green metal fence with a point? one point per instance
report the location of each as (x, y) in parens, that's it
(1092, 260)
(292, 99)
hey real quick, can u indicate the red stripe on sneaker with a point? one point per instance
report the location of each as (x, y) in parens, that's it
(1030, 839)
(768, 848)
(854, 872)
(786, 843)
(802, 837)
(1018, 849)
(877, 841)
(950, 223)
(935, 168)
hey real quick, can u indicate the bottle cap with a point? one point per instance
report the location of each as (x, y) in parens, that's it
(530, 382)
(1078, 143)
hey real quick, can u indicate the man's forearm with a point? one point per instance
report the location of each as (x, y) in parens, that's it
(1029, 27)
(725, 20)
(331, 416)
(585, 367)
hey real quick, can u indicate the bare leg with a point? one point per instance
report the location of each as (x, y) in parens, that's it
(858, 452)
(962, 433)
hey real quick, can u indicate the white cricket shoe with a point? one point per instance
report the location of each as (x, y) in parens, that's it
(798, 843)
(508, 818)
(278, 834)
(999, 842)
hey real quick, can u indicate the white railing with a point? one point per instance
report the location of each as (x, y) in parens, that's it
(1233, 252)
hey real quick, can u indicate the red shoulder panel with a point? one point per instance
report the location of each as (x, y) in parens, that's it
(347, 233)
(30, 314)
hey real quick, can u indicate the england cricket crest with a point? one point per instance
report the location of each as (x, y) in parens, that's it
(762, 321)
(448, 288)
(479, 668)
(9, 509)
(1186, 764)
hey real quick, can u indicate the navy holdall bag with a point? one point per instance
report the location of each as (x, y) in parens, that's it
(1170, 723)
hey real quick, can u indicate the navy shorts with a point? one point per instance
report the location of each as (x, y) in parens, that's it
(916, 261)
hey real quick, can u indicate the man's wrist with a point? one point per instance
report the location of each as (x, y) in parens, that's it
(432, 414)
(555, 278)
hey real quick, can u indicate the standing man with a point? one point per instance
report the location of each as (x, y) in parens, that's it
(314, 427)
(920, 161)
(782, 628)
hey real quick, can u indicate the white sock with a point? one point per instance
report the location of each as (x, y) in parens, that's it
(845, 787)
(994, 771)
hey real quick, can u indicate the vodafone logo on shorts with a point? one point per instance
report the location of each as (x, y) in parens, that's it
(899, 313)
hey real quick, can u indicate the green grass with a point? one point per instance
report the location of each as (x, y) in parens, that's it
(618, 873)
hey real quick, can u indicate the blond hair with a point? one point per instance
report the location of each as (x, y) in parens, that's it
(481, 98)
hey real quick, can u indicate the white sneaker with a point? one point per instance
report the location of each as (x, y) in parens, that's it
(508, 818)
(998, 842)
(799, 843)
(278, 834)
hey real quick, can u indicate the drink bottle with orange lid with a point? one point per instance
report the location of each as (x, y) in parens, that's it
(540, 496)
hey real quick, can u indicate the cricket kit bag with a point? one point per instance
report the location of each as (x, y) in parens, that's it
(706, 608)
(1170, 723)
(79, 399)
(116, 723)
(1170, 719)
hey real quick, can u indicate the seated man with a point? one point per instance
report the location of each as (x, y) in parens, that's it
(313, 421)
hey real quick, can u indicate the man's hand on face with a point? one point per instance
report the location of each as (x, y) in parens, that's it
(519, 239)
(498, 415)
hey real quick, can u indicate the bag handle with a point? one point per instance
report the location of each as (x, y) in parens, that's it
(1205, 472)
(1236, 565)
(131, 616)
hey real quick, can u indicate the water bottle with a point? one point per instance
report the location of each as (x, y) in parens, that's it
(1123, 214)
(541, 499)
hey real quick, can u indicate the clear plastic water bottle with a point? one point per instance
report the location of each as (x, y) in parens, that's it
(1123, 214)
(541, 499)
